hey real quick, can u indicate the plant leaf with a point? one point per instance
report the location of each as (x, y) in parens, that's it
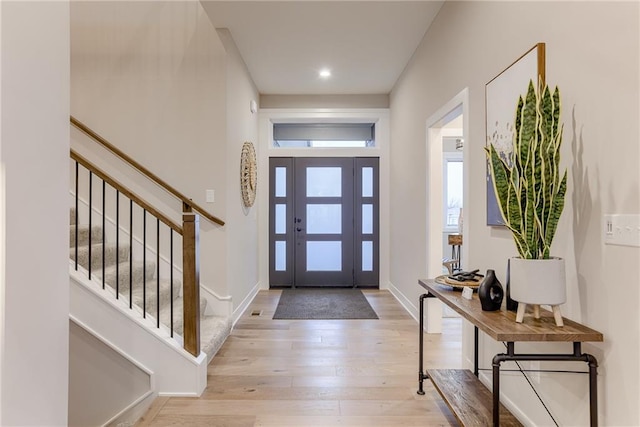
(528, 186)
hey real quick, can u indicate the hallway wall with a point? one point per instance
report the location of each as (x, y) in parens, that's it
(592, 54)
(242, 222)
(34, 224)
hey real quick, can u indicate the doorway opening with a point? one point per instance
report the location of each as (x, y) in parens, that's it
(452, 194)
(324, 222)
(446, 195)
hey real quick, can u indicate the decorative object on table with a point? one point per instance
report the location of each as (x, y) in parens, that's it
(450, 264)
(455, 241)
(456, 284)
(463, 276)
(500, 93)
(530, 189)
(490, 292)
(248, 174)
(511, 305)
(461, 279)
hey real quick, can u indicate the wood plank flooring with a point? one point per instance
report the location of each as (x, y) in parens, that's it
(319, 372)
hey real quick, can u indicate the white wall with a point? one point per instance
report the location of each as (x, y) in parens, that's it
(242, 222)
(150, 77)
(592, 54)
(102, 383)
(34, 155)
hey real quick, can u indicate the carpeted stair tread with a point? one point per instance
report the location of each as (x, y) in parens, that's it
(96, 255)
(214, 330)
(178, 320)
(83, 235)
(123, 274)
(152, 293)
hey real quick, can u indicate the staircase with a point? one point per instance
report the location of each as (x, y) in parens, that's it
(146, 294)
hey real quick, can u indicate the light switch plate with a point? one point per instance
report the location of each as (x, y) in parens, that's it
(622, 229)
(210, 196)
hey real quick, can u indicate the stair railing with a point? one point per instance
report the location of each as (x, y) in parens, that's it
(188, 203)
(190, 247)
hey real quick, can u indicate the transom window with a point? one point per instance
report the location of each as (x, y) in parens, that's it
(324, 135)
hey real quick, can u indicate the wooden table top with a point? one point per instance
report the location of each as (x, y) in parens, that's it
(501, 325)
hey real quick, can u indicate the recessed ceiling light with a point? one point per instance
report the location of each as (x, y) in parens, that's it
(325, 73)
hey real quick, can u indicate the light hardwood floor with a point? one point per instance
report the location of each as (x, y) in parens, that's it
(319, 372)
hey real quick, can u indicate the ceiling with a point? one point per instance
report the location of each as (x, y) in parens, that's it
(365, 44)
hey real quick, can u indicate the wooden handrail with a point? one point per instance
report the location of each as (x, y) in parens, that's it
(124, 190)
(188, 202)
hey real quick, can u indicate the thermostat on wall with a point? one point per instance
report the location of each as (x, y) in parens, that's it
(253, 106)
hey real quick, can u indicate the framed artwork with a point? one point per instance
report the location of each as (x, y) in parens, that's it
(501, 98)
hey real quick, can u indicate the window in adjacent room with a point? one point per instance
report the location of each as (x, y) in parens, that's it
(452, 191)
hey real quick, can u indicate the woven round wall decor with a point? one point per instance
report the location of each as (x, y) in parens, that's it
(248, 174)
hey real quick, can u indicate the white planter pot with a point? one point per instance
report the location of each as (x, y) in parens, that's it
(538, 281)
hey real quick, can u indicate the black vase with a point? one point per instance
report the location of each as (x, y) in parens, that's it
(512, 305)
(490, 292)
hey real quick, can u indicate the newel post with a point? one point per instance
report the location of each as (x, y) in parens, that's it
(191, 282)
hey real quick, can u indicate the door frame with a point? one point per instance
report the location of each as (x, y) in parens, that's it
(267, 117)
(458, 104)
(292, 232)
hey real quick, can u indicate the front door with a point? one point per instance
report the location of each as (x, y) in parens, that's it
(323, 222)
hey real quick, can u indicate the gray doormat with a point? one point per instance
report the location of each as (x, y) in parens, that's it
(323, 304)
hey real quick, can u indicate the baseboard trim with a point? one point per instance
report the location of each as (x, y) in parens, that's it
(404, 301)
(433, 313)
(244, 305)
(132, 413)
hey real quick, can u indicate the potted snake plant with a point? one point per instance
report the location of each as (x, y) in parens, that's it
(530, 189)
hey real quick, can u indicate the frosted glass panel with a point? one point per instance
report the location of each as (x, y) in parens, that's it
(281, 182)
(324, 256)
(324, 182)
(367, 256)
(281, 219)
(367, 219)
(281, 256)
(324, 219)
(367, 182)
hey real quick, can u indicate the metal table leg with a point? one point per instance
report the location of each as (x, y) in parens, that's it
(475, 351)
(593, 389)
(576, 356)
(421, 374)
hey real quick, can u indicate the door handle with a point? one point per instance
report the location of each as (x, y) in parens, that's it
(298, 229)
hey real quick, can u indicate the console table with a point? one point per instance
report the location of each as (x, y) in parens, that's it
(501, 326)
